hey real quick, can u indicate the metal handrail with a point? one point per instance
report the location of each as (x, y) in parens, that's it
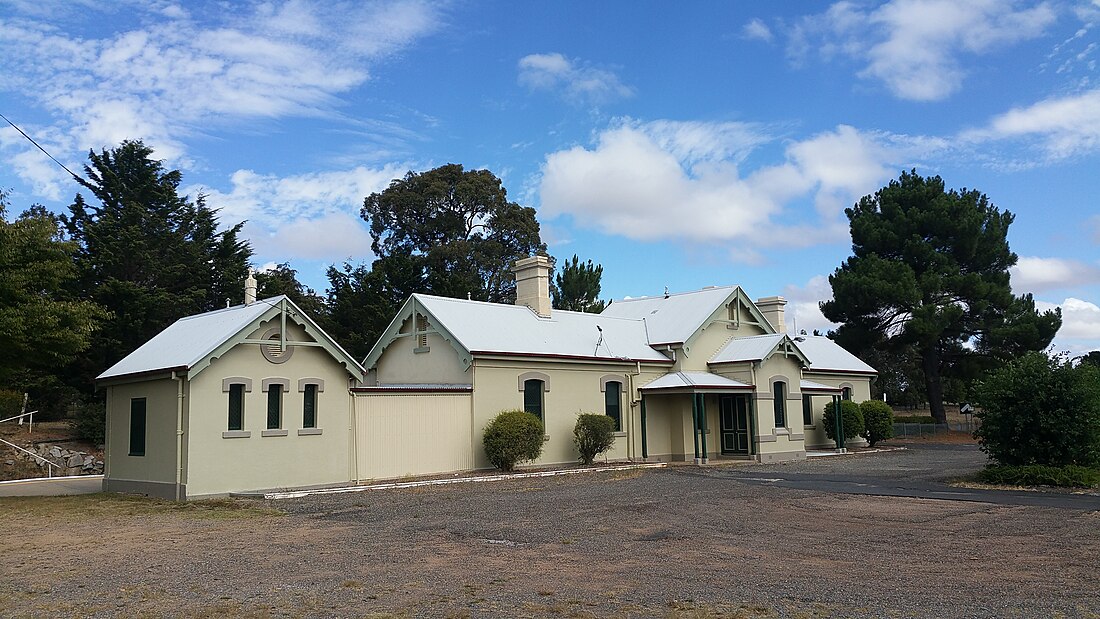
(51, 465)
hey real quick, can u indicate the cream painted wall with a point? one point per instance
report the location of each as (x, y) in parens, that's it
(702, 347)
(574, 388)
(413, 434)
(789, 438)
(159, 462)
(219, 465)
(400, 364)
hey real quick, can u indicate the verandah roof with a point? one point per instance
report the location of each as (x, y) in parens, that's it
(693, 382)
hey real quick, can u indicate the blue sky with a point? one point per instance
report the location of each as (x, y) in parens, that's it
(677, 144)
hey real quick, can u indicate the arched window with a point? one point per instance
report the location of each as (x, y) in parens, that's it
(532, 396)
(779, 402)
(846, 393)
(613, 402)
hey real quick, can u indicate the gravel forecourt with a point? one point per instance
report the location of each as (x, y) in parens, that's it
(716, 541)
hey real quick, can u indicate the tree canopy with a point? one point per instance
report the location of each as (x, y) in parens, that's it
(929, 274)
(577, 287)
(282, 279)
(43, 324)
(450, 232)
(146, 253)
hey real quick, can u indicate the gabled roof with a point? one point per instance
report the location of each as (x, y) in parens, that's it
(188, 343)
(477, 327)
(755, 348)
(826, 355)
(694, 381)
(674, 318)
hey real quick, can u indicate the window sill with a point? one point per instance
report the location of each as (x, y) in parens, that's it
(237, 434)
(619, 434)
(309, 431)
(274, 433)
(422, 349)
(809, 427)
(782, 431)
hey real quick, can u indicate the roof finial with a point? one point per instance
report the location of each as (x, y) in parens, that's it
(666, 292)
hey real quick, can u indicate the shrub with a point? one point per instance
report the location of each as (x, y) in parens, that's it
(849, 412)
(512, 437)
(914, 419)
(878, 421)
(11, 402)
(593, 435)
(1069, 476)
(1040, 410)
(90, 422)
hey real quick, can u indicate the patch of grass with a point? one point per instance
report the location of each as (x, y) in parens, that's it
(1069, 476)
(109, 505)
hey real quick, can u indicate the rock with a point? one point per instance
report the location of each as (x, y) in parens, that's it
(9, 462)
(74, 461)
(55, 451)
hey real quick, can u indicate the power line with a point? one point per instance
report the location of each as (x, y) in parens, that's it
(22, 133)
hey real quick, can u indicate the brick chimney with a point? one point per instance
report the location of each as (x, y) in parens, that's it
(772, 308)
(533, 283)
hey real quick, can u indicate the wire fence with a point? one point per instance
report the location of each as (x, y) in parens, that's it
(925, 429)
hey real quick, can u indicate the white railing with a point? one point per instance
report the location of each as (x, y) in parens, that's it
(50, 465)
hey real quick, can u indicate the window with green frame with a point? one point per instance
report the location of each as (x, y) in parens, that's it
(309, 406)
(612, 402)
(274, 407)
(779, 402)
(846, 393)
(807, 410)
(532, 397)
(137, 427)
(236, 406)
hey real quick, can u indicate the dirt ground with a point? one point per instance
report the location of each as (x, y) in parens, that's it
(655, 543)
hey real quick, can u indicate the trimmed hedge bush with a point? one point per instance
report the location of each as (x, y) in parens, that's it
(512, 437)
(1040, 410)
(1069, 476)
(914, 419)
(878, 421)
(593, 435)
(853, 420)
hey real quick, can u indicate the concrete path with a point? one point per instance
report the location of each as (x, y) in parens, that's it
(56, 486)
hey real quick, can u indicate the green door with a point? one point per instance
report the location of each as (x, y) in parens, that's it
(734, 413)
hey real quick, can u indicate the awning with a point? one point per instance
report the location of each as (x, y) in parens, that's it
(693, 382)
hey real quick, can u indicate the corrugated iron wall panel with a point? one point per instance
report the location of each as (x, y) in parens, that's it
(413, 434)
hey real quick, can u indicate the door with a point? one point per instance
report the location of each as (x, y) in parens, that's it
(734, 413)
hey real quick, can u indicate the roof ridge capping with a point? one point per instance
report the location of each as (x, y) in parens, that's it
(676, 294)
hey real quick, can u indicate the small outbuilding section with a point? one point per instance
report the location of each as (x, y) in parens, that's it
(246, 398)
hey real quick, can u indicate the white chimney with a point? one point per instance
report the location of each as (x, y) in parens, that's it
(250, 289)
(533, 283)
(772, 308)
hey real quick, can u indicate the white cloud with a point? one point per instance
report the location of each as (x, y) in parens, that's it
(576, 81)
(308, 216)
(1080, 330)
(168, 80)
(1063, 126)
(682, 181)
(757, 30)
(803, 310)
(912, 46)
(1035, 274)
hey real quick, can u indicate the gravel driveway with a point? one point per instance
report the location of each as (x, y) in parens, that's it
(679, 542)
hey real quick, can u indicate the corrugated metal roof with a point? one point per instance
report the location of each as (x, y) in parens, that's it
(674, 318)
(752, 348)
(511, 329)
(825, 354)
(809, 385)
(693, 380)
(189, 340)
